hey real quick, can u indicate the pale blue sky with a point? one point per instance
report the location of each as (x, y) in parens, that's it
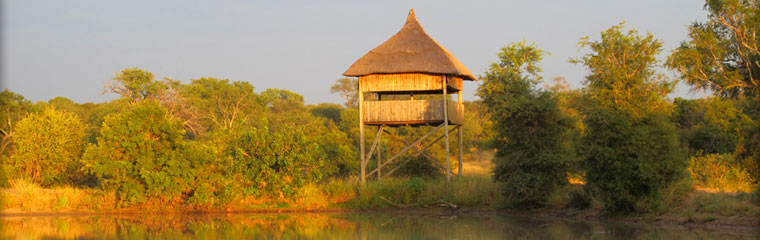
(71, 48)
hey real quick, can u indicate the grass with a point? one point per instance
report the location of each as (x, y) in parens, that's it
(25, 196)
(475, 189)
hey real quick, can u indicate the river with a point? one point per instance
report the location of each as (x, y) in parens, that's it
(340, 226)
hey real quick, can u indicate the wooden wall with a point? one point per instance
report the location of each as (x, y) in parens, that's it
(407, 82)
(397, 112)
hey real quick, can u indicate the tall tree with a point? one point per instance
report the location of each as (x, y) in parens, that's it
(136, 84)
(630, 148)
(723, 54)
(348, 88)
(622, 71)
(533, 154)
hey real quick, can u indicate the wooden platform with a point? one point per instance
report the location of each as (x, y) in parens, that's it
(411, 112)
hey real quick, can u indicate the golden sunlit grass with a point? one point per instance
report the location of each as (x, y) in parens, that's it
(25, 196)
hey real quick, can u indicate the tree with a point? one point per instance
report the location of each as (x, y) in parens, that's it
(139, 153)
(211, 104)
(630, 149)
(49, 146)
(348, 88)
(622, 72)
(531, 132)
(13, 107)
(723, 53)
(136, 85)
(264, 161)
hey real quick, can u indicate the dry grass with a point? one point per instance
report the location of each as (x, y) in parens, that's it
(25, 196)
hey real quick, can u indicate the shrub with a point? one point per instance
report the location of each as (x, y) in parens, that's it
(720, 171)
(534, 151)
(278, 162)
(141, 152)
(48, 147)
(628, 159)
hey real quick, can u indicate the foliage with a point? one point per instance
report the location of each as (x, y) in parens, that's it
(722, 54)
(329, 111)
(13, 107)
(711, 125)
(218, 105)
(348, 88)
(720, 171)
(630, 149)
(275, 162)
(531, 133)
(141, 152)
(628, 159)
(49, 145)
(622, 72)
(136, 85)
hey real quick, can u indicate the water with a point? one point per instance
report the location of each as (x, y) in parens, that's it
(340, 226)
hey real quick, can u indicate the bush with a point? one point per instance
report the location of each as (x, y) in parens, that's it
(532, 134)
(720, 171)
(141, 153)
(278, 162)
(48, 147)
(630, 159)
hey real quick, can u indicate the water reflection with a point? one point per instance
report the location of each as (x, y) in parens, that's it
(338, 226)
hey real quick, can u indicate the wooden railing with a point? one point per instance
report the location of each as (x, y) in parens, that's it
(399, 112)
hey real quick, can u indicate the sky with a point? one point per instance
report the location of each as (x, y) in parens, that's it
(72, 48)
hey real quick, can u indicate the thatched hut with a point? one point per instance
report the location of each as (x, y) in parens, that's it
(409, 63)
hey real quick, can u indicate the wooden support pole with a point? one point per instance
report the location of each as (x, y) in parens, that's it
(379, 149)
(446, 125)
(374, 144)
(406, 149)
(363, 163)
(421, 150)
(460, 138)
(460, 151)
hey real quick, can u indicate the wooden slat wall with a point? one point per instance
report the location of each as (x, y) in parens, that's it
(411, 112)
(406, 82)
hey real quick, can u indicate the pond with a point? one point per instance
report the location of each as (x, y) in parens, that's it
(340, 226)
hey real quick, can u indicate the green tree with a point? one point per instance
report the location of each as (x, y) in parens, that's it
(13, 107)
(49, 147)
(531, 132)
(348, 88)
(630, 148)
(622, 72)
(722, 54)
(136, 84)
(218, 106)
(140, 153)
(264, 161)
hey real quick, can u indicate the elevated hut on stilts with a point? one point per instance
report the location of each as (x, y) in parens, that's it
(409, 63)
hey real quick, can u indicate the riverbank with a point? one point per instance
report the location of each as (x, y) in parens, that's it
(472, 193)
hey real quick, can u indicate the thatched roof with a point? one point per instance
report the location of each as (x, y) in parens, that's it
(411, 50)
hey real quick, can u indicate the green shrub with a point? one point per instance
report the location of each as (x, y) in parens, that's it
(720, 171)
(141, 153)
(628, 160)
(534, 151)
(278, 162)
(48, 147)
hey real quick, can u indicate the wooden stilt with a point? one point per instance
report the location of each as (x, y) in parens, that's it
(363, 164)
(379, 149)
(459, 130)
(406, 149)
(461, 146)
(446, 125)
